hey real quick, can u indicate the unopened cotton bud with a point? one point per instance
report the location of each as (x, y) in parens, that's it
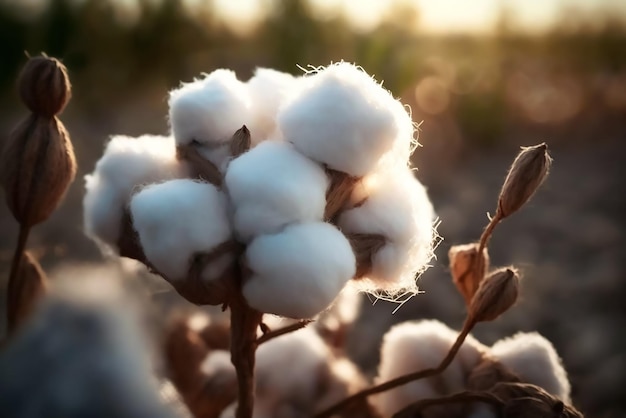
(463, 259)
(44, 86)
(495, 295)
(24, 292)
(526, 174)
(37, 166)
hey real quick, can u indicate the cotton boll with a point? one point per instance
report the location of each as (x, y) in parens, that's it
(298, 272)
(219, 369)
(268, 89)
(126, 164)
(534, 359)
(178, 219)
(209, 111)
(413, 346)
(343, 118)
(398, 208)
(272, 186)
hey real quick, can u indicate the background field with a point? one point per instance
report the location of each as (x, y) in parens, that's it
(479, 93)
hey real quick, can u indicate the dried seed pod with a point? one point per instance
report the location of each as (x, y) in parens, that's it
(240, 142)
(495, 295)
(526, 174)
(200, 167)
(516, 396)
(24, 293)
(37, 166)
(44, 86)
(488, 373)
(463, 259)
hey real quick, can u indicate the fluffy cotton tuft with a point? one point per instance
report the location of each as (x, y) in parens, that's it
(127, 163)
(272, 186)
(413, 346)
(268, 89)
(398, 208)
(298, 272)
(177, 219)
(534, 359)
(209, 111)
(343, 118)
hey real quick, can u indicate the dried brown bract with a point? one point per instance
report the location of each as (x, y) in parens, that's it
(463, 259)
(526, 174)
(200, 167)
(44, 86)
(339, 192)
(495, 295)
(240, 142)
(24, 293)
(488, 373)
(525, 400)
(364, 247)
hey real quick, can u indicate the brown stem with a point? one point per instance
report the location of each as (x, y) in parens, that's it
(402, 380)
(244, 324)
(461, 397)
(484, 239)
(282, 331)
(13, 277)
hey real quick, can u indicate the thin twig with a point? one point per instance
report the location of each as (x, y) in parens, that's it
(402, 380)
(484, 240)
(282, 331)
(460, 397)
(13, 275)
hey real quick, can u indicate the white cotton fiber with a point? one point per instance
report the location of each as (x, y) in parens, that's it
(298, 272)
(413, 346)
(268, 89)
(398, 208)
(342, 117)
(127, 164)
(272, 186)
(534, 359)
(209, 111)
(178, 219)
(218, 368)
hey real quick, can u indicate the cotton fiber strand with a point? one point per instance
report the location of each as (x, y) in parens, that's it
(272, 186)
(127, 164)
(343, 118)
(268, 89)
(209, 111)
(413, 346)
(298, 272)
(178, 219)
(398, 208)
(534, 359)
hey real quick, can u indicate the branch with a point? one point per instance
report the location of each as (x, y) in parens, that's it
(282, 331)
(402, 380)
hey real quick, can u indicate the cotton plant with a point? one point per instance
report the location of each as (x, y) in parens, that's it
(271, 196)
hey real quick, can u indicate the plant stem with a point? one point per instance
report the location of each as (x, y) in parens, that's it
(461, 397)
(282, 331)
(13, 277)
(484, 239)
(402, 380)
(244, 324)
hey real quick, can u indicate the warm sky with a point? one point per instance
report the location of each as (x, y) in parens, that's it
(436, 16)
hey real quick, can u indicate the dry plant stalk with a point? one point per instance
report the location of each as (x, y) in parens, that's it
(37, 163)
(24, 293)
(464, 275)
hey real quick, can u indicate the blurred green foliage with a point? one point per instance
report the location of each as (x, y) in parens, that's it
(110, 56)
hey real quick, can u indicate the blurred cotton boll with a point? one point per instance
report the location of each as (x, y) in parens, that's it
(81, 355)
(127, 163)
(534, 359)
(398, 208)
(413, 346)
(178, 219)
(343, 118)
(209, 111)
(272, 186)
(268, 89)
(298, 272)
